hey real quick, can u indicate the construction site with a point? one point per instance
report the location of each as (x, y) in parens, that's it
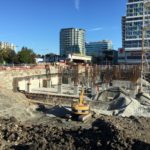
(74, 107)
(77, 106)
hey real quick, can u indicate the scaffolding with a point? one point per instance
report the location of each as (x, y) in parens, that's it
(145, 67)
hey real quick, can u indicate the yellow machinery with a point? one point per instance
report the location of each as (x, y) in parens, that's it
(81, 108)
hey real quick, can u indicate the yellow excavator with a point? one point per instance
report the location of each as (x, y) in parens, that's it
(80, 108)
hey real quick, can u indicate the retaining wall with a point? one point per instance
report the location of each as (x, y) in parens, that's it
(7, 77)
(63, 100)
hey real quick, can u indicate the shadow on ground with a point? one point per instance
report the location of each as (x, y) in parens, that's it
(57, 111)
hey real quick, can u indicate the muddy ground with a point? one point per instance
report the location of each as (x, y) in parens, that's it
(101, 132)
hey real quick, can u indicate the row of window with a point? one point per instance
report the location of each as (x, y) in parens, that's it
(136, 44)
(136, 10)
(133, 30)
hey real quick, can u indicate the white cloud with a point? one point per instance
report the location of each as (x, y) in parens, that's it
(77, 4)
(96, 29)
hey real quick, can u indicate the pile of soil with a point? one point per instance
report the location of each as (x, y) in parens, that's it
(102, 135)
(16, 104)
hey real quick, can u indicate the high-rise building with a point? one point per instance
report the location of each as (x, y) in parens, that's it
(96, 48)
(72, 40)
(132, 25)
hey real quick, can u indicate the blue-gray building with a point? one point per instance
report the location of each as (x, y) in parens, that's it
(95, 49)
(102, 52)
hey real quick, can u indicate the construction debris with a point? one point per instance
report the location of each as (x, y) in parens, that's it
(119, 102)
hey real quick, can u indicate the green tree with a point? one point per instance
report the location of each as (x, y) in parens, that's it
(1, 57)
(26, 56)
(8, 55)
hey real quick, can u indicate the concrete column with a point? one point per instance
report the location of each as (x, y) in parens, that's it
(75, 89)
(51, 83)
(59, 88)
(69, 80)
(39, 83)
(28, 87)
(103, 87)
(90, 83)
(60, 83)
(87, 83)
(93, 90)
(48, 83)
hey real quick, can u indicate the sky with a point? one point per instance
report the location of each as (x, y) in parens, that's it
(36, 23)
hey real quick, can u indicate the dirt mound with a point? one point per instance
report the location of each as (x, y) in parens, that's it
(102, 135)
(15, 104)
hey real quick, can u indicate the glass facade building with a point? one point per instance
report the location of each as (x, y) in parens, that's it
(96, 48)
(132, 25)
(72, 40)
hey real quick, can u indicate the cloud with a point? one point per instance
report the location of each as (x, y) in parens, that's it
(77, 4)
(96, 29)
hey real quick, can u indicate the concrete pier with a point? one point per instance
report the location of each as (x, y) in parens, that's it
(76, 89)
(59, 88)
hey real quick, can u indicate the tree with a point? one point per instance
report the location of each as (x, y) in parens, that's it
(38, 56)
(26, 56)
(1, 57)
(8, 55)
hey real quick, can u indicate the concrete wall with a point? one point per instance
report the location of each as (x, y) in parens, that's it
(36, 82)
(124, 84)
(7, 76)
(64, 100)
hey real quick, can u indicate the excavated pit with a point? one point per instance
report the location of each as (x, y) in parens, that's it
(34, 128)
